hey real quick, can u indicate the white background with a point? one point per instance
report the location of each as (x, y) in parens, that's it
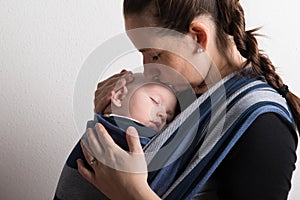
(43, 45)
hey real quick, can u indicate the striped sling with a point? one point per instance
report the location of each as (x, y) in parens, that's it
(184, 156)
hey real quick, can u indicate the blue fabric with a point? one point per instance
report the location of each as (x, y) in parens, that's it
(116, 127)
(162, 180)
(186, 157)
(71, 185)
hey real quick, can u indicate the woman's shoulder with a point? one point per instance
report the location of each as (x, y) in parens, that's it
(262, 160)
(268, 130)
(273, 125)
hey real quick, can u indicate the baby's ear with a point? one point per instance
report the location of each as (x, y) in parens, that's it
(118, 96)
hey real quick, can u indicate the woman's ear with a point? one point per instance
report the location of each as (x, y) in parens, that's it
(118, 96)
(199, 33)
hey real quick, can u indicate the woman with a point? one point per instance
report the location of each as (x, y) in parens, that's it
(261, 161)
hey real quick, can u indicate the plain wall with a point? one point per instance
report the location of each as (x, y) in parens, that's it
(43, 45)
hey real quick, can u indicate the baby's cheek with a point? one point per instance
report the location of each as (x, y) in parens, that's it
(139, 113)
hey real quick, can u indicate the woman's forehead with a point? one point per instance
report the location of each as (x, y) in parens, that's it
(160, 39)
(139, 20)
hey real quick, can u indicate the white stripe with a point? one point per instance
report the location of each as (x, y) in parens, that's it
(160, 140)
(231, 116)
(155, 144)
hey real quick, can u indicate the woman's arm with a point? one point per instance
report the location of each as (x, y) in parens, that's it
(116, 173)
(261, 164)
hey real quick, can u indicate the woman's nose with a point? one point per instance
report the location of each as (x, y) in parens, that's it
(150, 57)
(151, 71)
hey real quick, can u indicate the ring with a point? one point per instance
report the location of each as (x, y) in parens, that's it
(93, 161)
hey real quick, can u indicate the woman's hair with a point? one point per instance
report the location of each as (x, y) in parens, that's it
(228, 16)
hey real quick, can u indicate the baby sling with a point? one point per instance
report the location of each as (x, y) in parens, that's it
(184, 156)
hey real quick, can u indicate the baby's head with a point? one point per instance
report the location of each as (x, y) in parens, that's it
(151, 103)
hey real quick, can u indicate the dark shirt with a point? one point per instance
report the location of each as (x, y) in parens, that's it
(260, 165)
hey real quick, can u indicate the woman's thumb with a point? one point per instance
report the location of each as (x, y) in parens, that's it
(133, 140)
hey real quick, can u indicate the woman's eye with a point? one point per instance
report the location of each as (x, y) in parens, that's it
(155, 58)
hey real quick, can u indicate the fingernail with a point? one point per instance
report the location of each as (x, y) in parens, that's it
(82, 144)
(78, 163)
(97, 128)
(132, 131)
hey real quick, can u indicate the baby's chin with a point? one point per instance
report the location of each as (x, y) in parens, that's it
(155, 126)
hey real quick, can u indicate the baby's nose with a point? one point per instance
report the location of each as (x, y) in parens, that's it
(162, 114)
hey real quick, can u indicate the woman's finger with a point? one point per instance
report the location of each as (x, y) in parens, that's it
(107, 155)
(138, 164)
(111, 81)
(86, 173)
(119, 84)
(123, 71)
(123, 80)
(104, 88)
(103, 134)
(133, 140)
(102, 94)
(113, 78)
(92, 144)
(128, 76)
(88, 156)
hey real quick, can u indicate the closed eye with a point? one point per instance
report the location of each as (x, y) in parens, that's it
(154, 58)
(156, 101)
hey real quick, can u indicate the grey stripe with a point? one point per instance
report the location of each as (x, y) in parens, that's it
(157, 142)
(218, 126)
(231, 116)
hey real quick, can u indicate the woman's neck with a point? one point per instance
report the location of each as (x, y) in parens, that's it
(222, 67)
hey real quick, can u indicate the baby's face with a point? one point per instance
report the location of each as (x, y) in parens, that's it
(153, 105)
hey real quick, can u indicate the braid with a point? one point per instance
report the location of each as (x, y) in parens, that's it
(247, 45)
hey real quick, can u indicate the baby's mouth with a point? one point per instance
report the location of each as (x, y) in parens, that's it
(155, 125)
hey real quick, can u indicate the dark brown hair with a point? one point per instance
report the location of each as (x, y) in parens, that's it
(228, 16)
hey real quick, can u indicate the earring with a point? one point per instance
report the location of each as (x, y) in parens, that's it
(200, 50)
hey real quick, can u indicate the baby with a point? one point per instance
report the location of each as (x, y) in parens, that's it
(150, 103)
(147, 105)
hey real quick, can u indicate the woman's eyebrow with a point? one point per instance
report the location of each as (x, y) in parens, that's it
(146, 49)
(143, 50)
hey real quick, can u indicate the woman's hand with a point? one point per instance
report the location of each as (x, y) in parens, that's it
(117, 173)
(104, 88)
